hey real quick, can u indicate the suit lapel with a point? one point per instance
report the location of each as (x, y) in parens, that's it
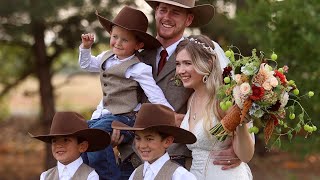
(149, 58)
(168, 68)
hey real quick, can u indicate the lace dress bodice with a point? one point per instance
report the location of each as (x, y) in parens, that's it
(202, 166)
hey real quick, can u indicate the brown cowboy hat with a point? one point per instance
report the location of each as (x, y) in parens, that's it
(134, 21)
(202, 13)
(162, 119)
(71, 123)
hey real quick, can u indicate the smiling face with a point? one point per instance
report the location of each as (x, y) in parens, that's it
(150, 145)
(123, 42)
(186, 71)
(66, 149)
(171, 22)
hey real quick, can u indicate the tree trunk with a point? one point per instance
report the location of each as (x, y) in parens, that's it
(43, 73)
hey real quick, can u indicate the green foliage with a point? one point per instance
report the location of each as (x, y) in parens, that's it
(59, 23)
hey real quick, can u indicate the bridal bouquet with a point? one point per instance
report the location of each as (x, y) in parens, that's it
(256, 89)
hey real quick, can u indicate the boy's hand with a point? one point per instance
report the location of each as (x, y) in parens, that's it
(87, 40)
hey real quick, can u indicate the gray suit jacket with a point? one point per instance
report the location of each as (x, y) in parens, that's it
(176, 95)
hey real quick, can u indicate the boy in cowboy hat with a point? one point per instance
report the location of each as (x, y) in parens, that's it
(69, 137)
(155, 131)
(121, 75)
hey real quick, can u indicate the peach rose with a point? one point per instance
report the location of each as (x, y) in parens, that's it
(245, 88)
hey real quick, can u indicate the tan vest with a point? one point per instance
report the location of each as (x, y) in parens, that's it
(120, 94)
(165, 172)
(82, 173)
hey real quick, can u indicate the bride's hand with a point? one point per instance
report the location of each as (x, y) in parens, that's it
(230, 162)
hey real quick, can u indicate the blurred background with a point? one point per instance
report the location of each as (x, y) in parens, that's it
(39, 73)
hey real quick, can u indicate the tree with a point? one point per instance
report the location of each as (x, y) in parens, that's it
(34, 34)
(291, 29)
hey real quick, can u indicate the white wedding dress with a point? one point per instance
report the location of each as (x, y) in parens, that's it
(202, 166)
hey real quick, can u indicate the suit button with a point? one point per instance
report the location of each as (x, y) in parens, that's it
(104, 75)
(105, 84)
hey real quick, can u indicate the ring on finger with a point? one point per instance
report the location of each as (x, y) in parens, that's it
(229, 162)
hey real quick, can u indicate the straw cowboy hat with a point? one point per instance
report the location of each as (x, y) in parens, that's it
(71, 123)
(162, 119)
(202, 13)
(134, 21)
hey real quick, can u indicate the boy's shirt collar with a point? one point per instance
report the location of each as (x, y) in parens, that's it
(115, 57)
(157, 165)
(71, 167)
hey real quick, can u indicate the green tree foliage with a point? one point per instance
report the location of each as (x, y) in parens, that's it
(35, 33)
(291, 29)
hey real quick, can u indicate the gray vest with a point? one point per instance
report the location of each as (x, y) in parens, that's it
(165, 172)
(82, 173)
(120, 94)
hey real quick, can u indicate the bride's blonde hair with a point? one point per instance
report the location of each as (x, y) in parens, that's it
(206, 63)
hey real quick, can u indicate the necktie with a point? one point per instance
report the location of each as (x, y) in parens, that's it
(163, 60)
(65, 175)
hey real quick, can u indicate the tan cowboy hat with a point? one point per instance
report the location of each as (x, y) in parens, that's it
(202, 13)
(132, 20)
(71, 123)
(158, 117)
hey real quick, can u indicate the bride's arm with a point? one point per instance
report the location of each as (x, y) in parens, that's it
(243, 143)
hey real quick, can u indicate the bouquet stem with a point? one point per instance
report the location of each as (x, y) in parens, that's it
(230, 122)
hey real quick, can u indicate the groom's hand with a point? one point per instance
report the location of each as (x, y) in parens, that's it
(227, 163)
(116, 138)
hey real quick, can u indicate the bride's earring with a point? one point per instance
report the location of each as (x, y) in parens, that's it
(205, 78)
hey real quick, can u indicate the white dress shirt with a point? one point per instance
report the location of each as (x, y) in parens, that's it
(139, 72)
(70, 171)
(153, 169)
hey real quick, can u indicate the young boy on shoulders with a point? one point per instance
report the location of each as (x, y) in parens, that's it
(123, 78)
(69, 137)
(155, 131)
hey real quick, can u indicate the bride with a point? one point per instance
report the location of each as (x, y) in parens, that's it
(198, 67)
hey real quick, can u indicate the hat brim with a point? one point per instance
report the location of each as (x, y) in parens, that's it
(149, 41)
(180, 135)
(97, 138)
(203, 14)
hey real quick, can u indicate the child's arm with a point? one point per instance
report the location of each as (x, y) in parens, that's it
(142, 73)
(86, 60)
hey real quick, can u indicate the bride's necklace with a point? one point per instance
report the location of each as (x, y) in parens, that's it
(194, 117)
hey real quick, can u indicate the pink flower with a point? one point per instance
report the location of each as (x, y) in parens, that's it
(267, 86)
(273, 81)
(245, 88)
(237, 78)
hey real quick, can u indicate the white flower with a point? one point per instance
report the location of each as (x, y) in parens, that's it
(237, 96)
(245, 88)
(284, 99)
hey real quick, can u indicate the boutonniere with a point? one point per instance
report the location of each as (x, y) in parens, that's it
(177, 80)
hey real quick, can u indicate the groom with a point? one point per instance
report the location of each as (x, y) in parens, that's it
(172, 18)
